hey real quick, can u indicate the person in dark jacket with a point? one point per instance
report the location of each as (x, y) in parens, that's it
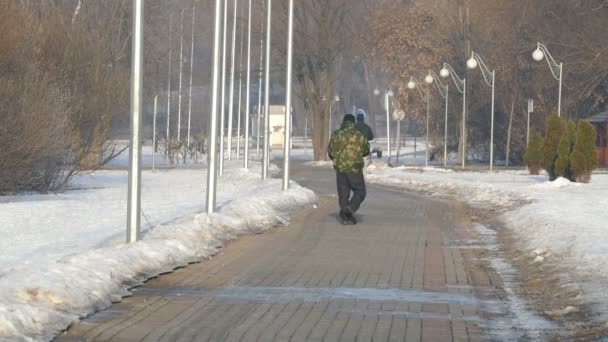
(347, 148)
(362, 126)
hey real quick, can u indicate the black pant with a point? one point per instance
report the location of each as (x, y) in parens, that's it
(348, 182)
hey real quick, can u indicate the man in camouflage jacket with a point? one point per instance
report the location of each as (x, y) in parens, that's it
(347, 148)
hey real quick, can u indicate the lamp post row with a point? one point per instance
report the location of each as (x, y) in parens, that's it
(490, 78)
(215, 166)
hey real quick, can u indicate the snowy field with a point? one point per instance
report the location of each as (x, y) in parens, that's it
(63, 256)
(559, 222)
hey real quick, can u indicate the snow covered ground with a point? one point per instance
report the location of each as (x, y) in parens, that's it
(63, 256)
(561, 222)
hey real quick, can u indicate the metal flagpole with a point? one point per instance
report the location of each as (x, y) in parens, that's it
(191, 72)
(223, 90)
(181, 69)
(239, 111)
(445, 136)
(134, 192)
(248, 85)
(287, 140)
(212, 170)
(426, 156)
(232, 68)
(267, 93)
(169, 86)
(154, 134)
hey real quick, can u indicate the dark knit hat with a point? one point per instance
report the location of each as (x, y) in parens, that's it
(348, 118)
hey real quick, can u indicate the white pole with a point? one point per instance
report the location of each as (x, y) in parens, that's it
(260, 80)
(181, 69)
(287, 140)
(232, 67)
(191, 72)
(492, 126)
(169, 86)
(248, 86)
(559, 101)
(154, 134)
(134, 192)
(239, 112)
(428, 95)
(330, 112)
(388, 128)
(528, 128)
(223, 89)
(445, 133)
(398, 139)
(212, 145)
(464, 122)
(267, 93)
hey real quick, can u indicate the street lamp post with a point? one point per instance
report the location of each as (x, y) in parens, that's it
(389, 93)
(490, 78)
(443, 91)
(266, 151)
(212, 156)
(223, 89)
(232, 71)
(413, 83)
(556, 69)
(461, 86)
(248, 86)
(134, 188)
(287, 140)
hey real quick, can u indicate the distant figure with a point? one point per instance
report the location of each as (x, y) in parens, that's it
(362, 126)
(347, 148)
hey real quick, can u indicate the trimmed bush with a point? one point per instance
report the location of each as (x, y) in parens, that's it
(555, 129)
(566, 143)
(534, 153)
(584, 158)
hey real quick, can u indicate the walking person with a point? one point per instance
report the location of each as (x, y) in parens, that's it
(362, 126)
(347, 148)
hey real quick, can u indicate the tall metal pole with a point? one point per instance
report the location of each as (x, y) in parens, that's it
(181, 69)
(223, 89)
(399, 141)
(169, 86)
(240, 106)
(212, 170)
(559, 99)
(464, 122)
(492, 125)
(428, 95)
(191, 72)
(134, 192)
(267, 93)
(260, 80)
(154, 134)
(445, 133)
(388, 127)
(248, 86)
(287, 141)
(232, 67)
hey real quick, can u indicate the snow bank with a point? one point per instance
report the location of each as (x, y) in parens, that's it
(566, 221)
(66, 257)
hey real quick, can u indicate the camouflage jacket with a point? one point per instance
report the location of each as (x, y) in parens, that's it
(347, 148)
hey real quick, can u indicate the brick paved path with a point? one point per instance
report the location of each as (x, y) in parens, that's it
(396, 276)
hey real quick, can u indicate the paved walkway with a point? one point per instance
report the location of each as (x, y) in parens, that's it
(395, 276)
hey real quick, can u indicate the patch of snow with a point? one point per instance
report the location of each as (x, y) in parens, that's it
(560, 218)
(66, 257)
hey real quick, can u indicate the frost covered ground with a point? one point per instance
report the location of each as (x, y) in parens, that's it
(63, 256)
(561, 222)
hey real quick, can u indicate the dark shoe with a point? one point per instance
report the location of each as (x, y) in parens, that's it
(351, 215)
